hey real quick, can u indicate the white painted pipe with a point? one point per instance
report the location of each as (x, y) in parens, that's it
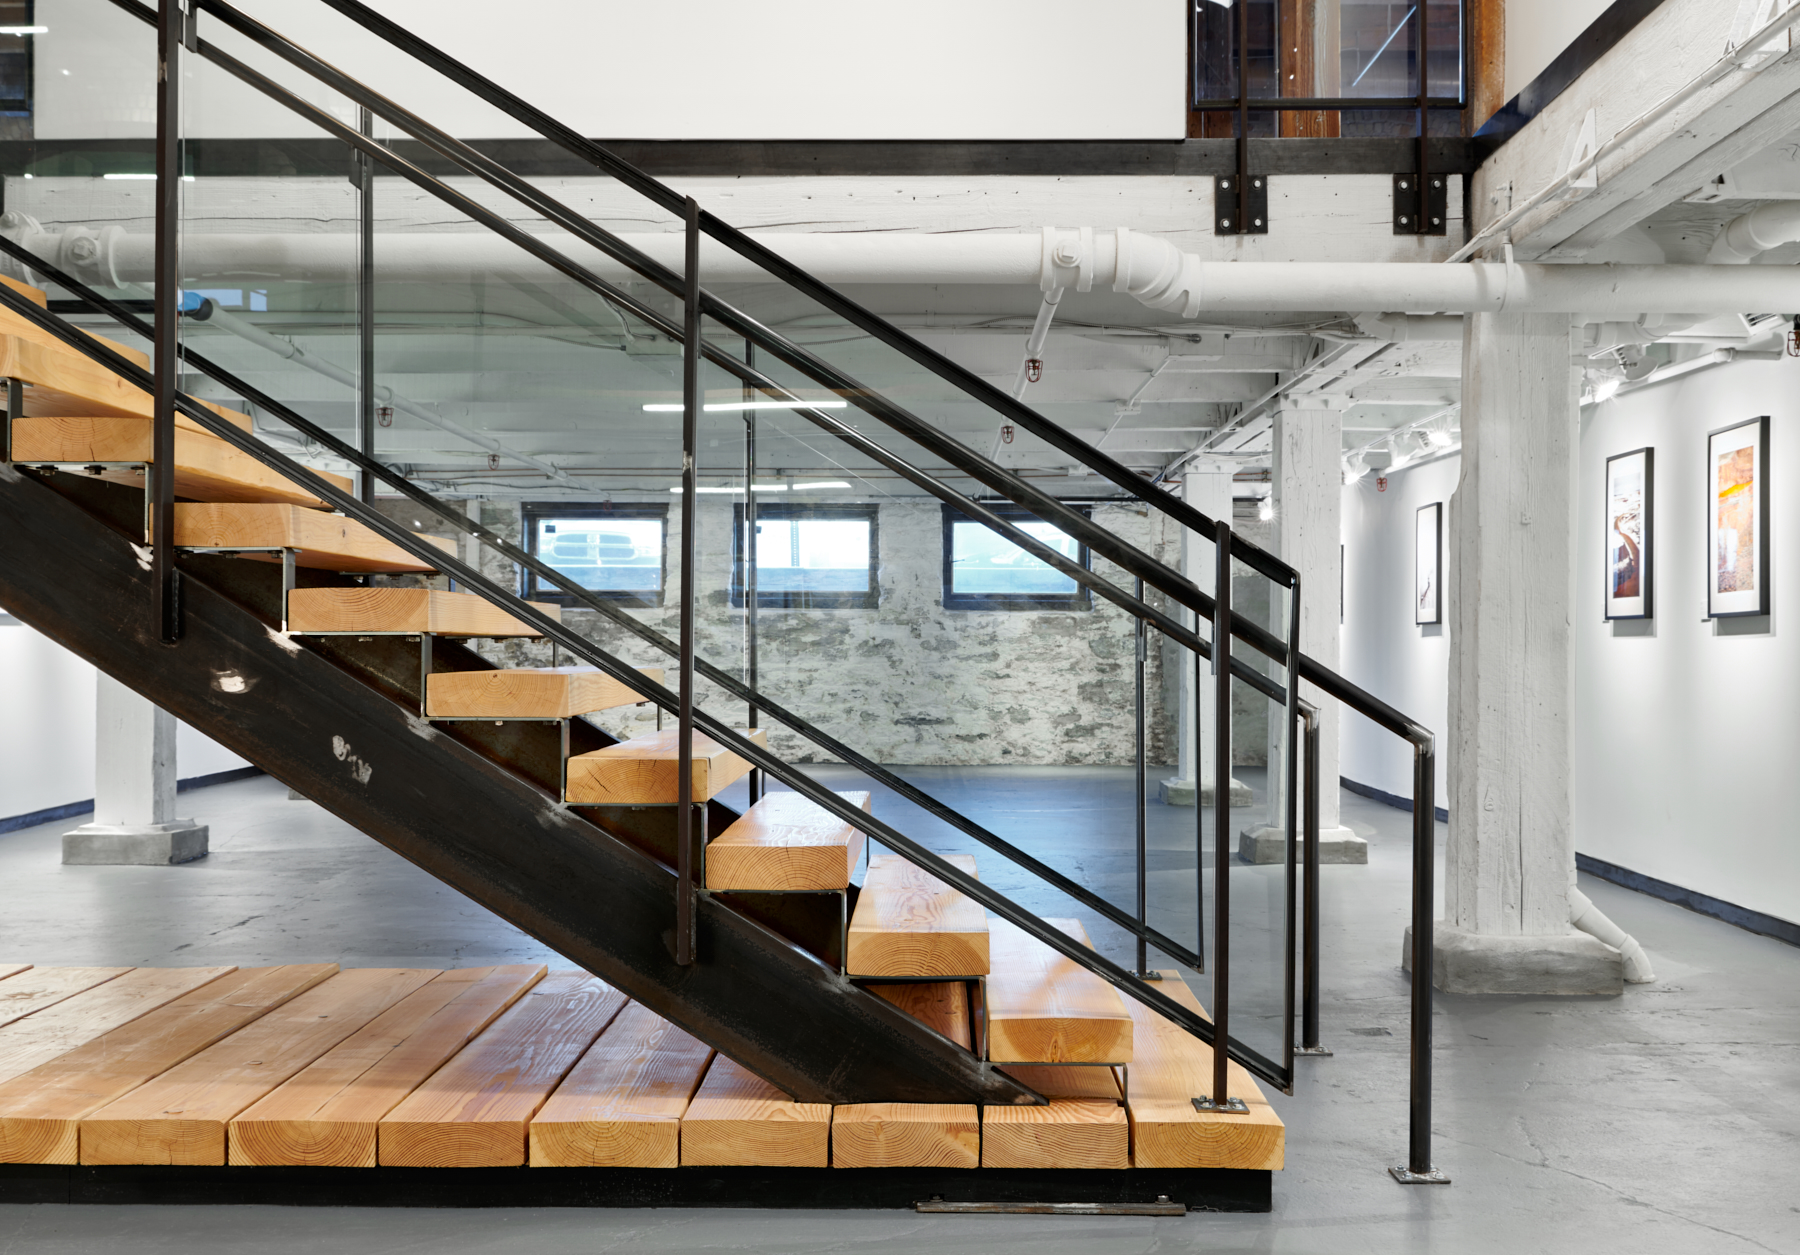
(1755, 233)
(1034, 343)
(1592, 921)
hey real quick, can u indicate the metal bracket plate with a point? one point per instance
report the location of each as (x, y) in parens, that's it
(1230, 1107)
(1406, 205)
(1225, 206)
(1404, 1175)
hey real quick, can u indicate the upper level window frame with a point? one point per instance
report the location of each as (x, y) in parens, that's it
(791, 599)
(531, 512)
(1081, 600)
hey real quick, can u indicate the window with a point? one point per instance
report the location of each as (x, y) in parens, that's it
(809, 557)
(616, 550)
(985, 571)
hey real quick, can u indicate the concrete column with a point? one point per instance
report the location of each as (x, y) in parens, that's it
(1306, 481)
(134, 787)
(1208, 489)
(1510, 867)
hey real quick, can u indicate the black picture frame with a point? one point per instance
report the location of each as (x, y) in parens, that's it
(1632, 570)
(865, 599)
(1725, 555)
(1428, 564)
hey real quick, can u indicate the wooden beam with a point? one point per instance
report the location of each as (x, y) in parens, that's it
(905, 1135)
(328, 542)
(1065, 1133)
(622, 1105)
(47, 986)
(76, 1021)
(1045, 1008)
(1487, 61)
(180, 1117)
(326, 1114)
(12, 969)
(206, 468)
(1094, 1084)
(528, 692)
(41, 1110)
(474, 1111)
(404, 610)
(910, 923)
(943, 1005)
(739, 1118)
(642, 771)
(59, 382)
(785, 842)
(1170, 1069)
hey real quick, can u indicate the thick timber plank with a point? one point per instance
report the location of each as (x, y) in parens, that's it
(474, 1111)
(1169, 1069)
(905, 1135)
(739, 1118)
(328, 542)
(528, 692)
(41, 1110)
(326, 1114)
(1062, 1081)
(1064, 1133)
(622, 1105)
(180, 1117)
(1046, 1008)
(404, 610)
(910, 923)
(785, 842)
(944, 1005)
(47, 986)
(206, 468)
(12, 969)
(36, 1039)
(642, 771)
(61, 382)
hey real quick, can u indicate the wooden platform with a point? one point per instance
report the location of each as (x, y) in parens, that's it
(528, 692)
(1045, 1008)
(910, 923)
(643, 771)
(784, 842)
(311, 1070)
(328, 542)
(407, 610)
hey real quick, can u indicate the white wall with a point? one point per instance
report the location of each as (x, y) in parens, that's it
(47, 737)
(1538, 30)
(703, 69)
(1401, 662)
(1688, 732)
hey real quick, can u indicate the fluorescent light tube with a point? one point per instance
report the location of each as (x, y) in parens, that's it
(760, 488)
(24, 30)
(824, 483)
(721, 407)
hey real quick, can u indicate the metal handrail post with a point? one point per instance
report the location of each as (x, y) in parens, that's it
(1220, 1099)
(1309, 920)
(171, 22)
(1418, 1170)
(1140, 647)
(684, 718)
(1290, 824)
(751, 592)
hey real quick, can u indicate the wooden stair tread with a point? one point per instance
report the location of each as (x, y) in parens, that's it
(739, 1118)
(1064, 1133)
(905, 1135)
(206, 468)
(47, 986)
(942, 1006)
(1169, 1069)
(75, 1021)
(328, 542)
(12, 969)
(785, 842)
(180, 1117)
(621, 1106)
(41, 1110)
(409, 610)
(643, 770)
(61, 382)
(326, 1114)
(910, 923)
(1068, 1081)
(473, 1112)
(1046, 1008)
(528, 692)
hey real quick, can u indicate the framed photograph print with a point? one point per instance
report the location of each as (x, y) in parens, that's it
(1737, 519)
(1629, 565)
(1428, 565)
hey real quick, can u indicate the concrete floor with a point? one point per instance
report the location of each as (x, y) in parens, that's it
(1667, 1120)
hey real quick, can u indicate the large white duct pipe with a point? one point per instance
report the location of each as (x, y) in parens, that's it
(1152, 271)
(1755, 233)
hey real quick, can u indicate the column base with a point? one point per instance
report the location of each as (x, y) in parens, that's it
(1559, 965)
(1269, 845)
(1173, 792)
(134, 845)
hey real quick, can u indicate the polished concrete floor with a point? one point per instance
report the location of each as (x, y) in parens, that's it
(1667, 1120)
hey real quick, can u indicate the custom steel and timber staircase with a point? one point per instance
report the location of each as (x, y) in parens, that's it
(743, 999)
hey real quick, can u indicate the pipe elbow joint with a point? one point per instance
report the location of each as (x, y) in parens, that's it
(1749, 235)
(1158, 274)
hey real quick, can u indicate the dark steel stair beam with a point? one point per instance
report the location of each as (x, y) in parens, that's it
(468, 822)
(671, 201)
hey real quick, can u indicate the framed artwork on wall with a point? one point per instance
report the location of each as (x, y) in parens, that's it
(1629, 561)
(1737, 519)
(1428, 564)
